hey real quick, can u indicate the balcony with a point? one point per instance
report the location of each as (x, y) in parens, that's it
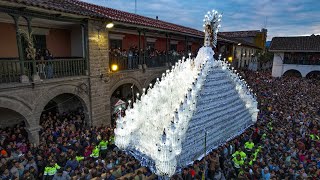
(301, 61)
(34, 48)
(11, 70)
(126, 63)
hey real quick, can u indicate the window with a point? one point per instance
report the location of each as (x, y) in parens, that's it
(115, 44)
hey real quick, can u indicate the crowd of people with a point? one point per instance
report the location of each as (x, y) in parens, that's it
(129, 59)
(67, 150)
(283, 144)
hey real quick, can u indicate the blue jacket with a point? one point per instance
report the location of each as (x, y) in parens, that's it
(111, 177)
(73, 164)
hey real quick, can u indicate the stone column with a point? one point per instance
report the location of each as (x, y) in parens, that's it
(33, 134)
(140, 59)
(99, 64)
(186, 46)
(144, 49)
(23, 77)
(167, 49)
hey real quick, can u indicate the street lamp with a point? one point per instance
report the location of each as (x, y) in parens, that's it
(114, 67)
(110, 25)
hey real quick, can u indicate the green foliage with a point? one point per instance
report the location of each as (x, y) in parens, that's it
(266, 57)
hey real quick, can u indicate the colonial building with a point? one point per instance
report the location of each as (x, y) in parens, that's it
(59, 55)
(299, 56)
(251, 44)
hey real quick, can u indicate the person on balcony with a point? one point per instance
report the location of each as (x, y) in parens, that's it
(48, 56)
(41, 68)
(130, 58)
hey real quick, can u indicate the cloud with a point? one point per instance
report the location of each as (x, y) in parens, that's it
(281, 18)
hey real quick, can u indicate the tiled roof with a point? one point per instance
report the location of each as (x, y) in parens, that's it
(125, 17)
(240, 34)
(95, 11)
(65, 6)
(92, 10)
(300, 43)
(236, 41)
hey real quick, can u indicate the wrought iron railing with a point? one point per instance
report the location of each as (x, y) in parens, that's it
(126, 63)
(301, 62)
(11, 70)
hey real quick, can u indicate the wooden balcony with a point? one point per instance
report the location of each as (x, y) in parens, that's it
(12, 70)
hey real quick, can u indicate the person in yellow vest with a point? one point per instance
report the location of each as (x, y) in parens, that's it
(103, 148)
(51, 170)
(95, 152)
(270, 126)
(249, 145)
(314, 137)
(242, 154)
(79, 158)
(111, 142)
(256, 152)
(237, 162)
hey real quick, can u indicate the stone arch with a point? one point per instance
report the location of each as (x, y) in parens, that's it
(292, 72)
(18, 106)
(125, 81)
(313, 74)
(55, 91)
(150, 79)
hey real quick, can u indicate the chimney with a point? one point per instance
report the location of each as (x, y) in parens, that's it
(156, 17)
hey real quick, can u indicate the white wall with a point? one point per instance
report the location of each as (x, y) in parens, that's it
(278, 68)
(303, 69)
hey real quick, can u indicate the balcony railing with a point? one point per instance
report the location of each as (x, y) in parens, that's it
(11, 70)
(301, 62)
(126, 63)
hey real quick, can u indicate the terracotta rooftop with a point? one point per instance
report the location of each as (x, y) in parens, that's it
(296, 44)
(240, 34)
(92, 10)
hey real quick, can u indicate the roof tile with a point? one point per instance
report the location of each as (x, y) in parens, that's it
(299, 43)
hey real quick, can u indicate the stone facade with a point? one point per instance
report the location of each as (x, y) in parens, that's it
(29, 100)
(94, 91)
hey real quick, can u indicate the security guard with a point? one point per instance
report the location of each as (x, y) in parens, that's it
(237, 162)
(51, 169)
(270, 126)
(249, 145)
(95, 152)
(79, 158)
(111, 142)
(103, 148)
(255, 154)
(314, 137)
(241, 153)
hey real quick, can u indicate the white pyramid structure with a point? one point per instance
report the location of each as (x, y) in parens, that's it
(198, 105)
